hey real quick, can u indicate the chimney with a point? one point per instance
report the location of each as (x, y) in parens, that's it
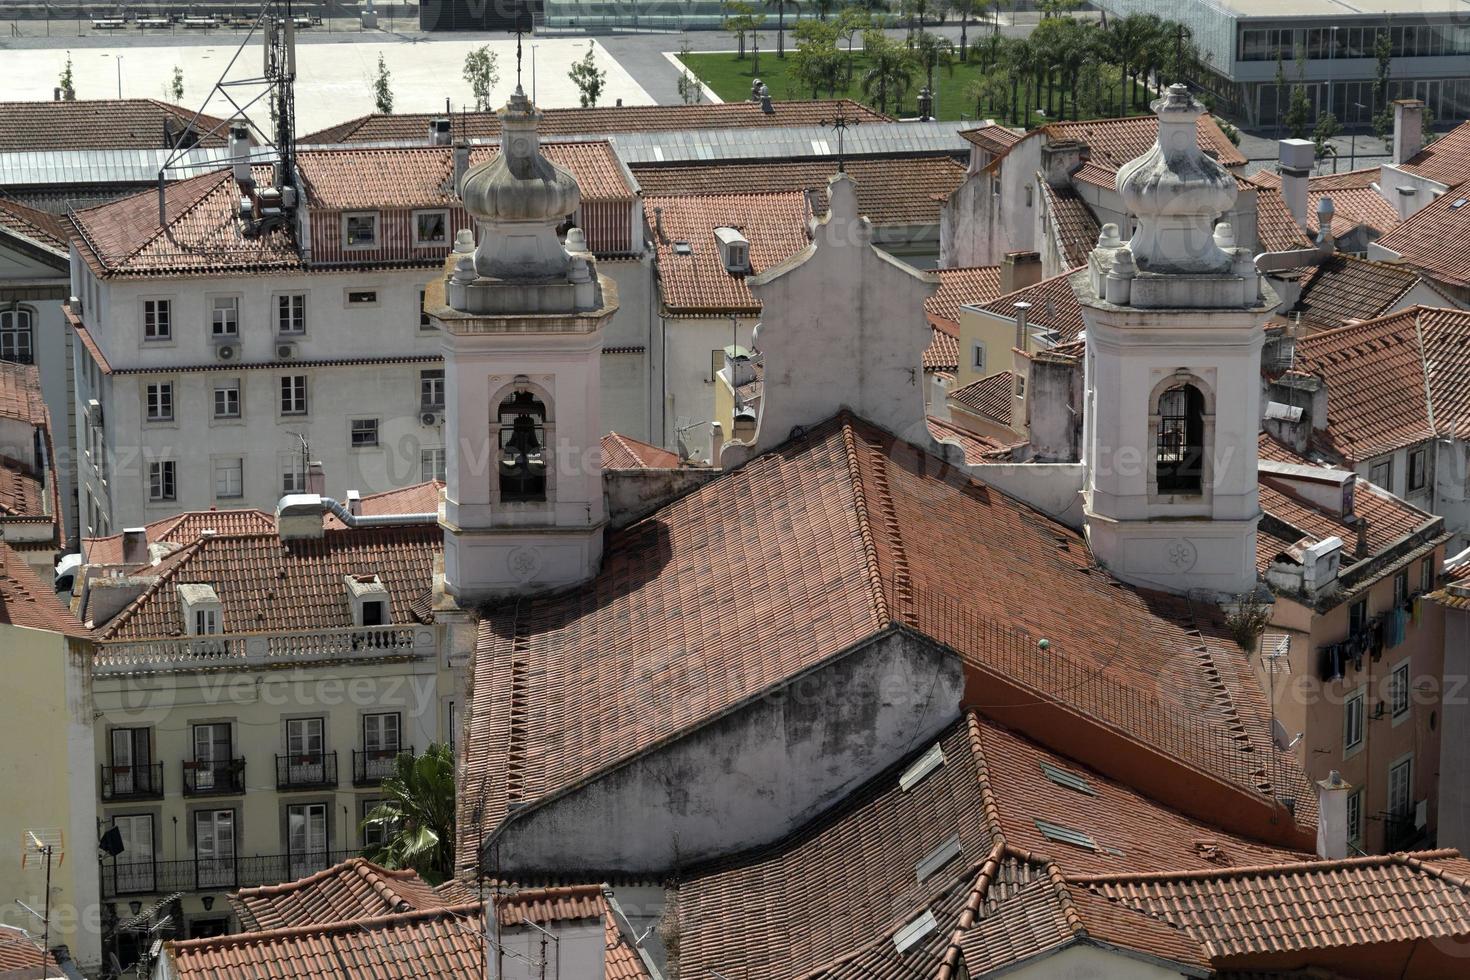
(1021, 339)
(1362, 549)
(755, 89)
(135, 546)
(1408, 129)
(767, 106)
(461, 163)
(716, 442)
(316, 478)
(299, 516)
(1325, 239)
(1059, 159)
(1019, 270)
(240, 154)
(354, 503)
(1332, 828)
(1297, 157)
(439, 131)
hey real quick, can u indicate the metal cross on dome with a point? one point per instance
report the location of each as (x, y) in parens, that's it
(520, 30)
(841, 123)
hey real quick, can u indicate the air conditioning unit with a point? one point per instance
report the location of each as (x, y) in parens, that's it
(284, 352)
(432, 418)
(94, 412)
(225, 352)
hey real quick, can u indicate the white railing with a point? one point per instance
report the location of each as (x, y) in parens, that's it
(263, 649)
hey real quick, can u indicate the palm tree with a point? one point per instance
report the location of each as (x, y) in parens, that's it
(931, 51)
(781, 6)
(416, 816)
(1020, 58)
(824, 7)
(966, 8)
(890, 70)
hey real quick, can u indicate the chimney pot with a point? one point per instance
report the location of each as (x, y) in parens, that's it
(316, 478)
(1019, 270)
(1295, 167)
(354, 503)
(1408, 129)
(1332, 828)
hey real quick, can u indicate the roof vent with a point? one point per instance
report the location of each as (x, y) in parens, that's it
(1066, 835)
(734, 251)
(683, 248)
(938, 858)
(1067, 778)
(923, 766)
(439, 131)
(1459, 203)
(909, 936)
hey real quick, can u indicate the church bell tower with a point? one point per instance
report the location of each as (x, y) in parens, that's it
(521, 313)
(1175, 321)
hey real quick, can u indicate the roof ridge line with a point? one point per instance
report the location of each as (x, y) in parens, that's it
(989, 806)
(220, 176)
(1058, 883)
(1245, 871)
(860, 503)
(1417, 861)
(903, 592)
(109, 631)
(458, 911)
(978, 892)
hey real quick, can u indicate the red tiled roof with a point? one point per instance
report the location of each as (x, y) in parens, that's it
(621, 452)
(1389, 518)
(964, 286)
(996, 139)
(22, 490)
(1436, 238)
(1319, 905)
(1113, 142)
(266, 584)
(434, 944)
(416, 177)
(29, 603)
(1054, 306)
(943, 353)
(354, 889)
(20, 394)
(991, 398)
(181, 529)
(1072, 221)
(19, 950)
(1446, 160)
(1383, 375)
(1355, 200)
(100, 124)
(585, 673)
(41, 227)
(774, 224)
(1343, 287)
(420, 498)
(602, 119)
(1276, 229)
(893, 191)
(977, 448)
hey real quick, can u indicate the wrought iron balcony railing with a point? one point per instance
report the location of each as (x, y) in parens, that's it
(370, 767)
(306, 770)
(225, 777)
(143, 782)
(124, 877)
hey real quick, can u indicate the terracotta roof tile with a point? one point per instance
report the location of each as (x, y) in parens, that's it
(19, 950)
(621, 452)
(1276, 229)
(1072, 222)
(1389, 519)
(354, 889)
(698, 283)
(992, 398)
(29, 603)
(100, 124)
(1446, 160)
(1355, 199)
(890, 191)
(996, 139)
(601, 119)
(943, 352)
(266, 584)
(963, 286)
(1113, 142)
(22, 490)
(175, 531)
(420, 498)
(20, 394)
(1054, 307)
(1436, 238)
(1239, 912)
(1382, 376)
(977, 448)
(1343, 288)
(41, 227)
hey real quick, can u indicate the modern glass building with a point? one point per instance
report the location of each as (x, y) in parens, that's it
(1334, 40)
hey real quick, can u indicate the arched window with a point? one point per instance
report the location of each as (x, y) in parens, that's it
(16, 335)
(522, 448)
(1180, 461)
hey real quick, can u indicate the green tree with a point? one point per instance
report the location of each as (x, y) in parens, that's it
(966, 9)
(1326, 130)
(985, 91)
(65, 83)
(690, 91)
(416, 815)
(588, 78)
(824, 7)
(817, 63)
(1382, 111)
(781, 6)
(176, 85)
(739, 20)
(931, 51)
(481, 71)
(890, 70)
(1299, 107)
(383, 87)
(853, 21)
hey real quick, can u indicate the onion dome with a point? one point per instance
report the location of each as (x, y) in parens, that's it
(1177, 191)
(519, 184)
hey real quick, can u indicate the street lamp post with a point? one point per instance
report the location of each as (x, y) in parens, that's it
(1353, 139)
(1331, 57)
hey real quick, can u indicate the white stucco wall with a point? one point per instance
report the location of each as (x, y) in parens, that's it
(979, 225)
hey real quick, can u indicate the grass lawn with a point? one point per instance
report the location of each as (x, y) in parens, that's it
(730, 76)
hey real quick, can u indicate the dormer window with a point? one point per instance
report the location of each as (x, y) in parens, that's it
(201, 609)
(522, 448)
(734, 251)
(369, 598)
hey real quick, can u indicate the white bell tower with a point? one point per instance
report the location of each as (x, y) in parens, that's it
(521, 316)
(1175, 322)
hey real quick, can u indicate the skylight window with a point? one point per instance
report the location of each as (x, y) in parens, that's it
(683, 248)
(1066, 835)
(938, 858)
(923, 766)
(1067, 778)
(910, 935)
(1458, 203)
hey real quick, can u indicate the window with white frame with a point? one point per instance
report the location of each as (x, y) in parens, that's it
(293, 394)
(206, 622)
(225, 316)
(431, 465)
(229, 478)
(364, 433)
(1352, 721)
(1381, 474)
(430, 228)
(158, 319)
(1398, 690)
(360, 230)
(161, 484)
(160, 397)
(227, 400)
(1355, 817)
(17, 340)
(431, 390)
(291, 314)
(293, 473)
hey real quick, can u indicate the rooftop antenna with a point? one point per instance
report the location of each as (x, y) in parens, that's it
(47, 844)
(841, 123)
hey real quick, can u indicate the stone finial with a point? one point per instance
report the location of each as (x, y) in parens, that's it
(464, 241)
(1109, 237)
(1177, 191)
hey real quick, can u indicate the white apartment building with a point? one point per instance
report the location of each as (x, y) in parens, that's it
(215, 362)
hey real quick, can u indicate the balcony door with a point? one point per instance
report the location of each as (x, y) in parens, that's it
(305, 751)
(211, 755)
(306, 825)
(133, 868)
(381, 740)
(131, 764)
(214, 848)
